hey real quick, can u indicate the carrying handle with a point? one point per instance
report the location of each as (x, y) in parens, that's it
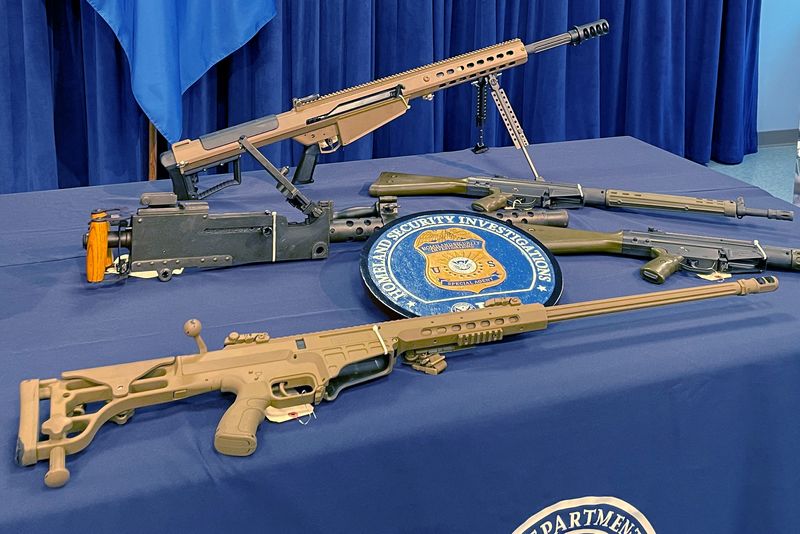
(236, 432)
(661, 266)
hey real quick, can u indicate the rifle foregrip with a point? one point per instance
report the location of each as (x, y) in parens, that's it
(236, 432)
(661, 267)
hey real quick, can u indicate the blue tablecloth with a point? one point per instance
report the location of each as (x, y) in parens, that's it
(690, 413)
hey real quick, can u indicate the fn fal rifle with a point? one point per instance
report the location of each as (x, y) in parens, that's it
(283, 378)
(709, 257)
(325, 123)
(496, 192)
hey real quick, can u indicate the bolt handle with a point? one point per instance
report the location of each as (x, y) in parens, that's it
(192, 328)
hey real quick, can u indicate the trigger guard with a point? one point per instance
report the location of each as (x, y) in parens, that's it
(700, 266)
(329, 145)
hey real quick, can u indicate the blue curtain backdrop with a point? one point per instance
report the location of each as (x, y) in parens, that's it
(680, 74)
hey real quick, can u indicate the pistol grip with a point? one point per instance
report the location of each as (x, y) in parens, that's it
(236, 432)
(661, 266)
(493, 202)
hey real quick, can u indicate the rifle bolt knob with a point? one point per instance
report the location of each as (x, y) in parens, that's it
(192, 327)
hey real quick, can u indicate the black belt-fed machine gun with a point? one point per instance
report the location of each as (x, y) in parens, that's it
(165, 235)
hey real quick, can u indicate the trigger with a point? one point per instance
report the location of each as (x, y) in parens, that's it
(281, 415)
(329, 145)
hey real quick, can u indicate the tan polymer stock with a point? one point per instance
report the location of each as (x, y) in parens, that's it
(283, 378)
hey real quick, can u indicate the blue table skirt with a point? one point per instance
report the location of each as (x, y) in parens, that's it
(690, 413)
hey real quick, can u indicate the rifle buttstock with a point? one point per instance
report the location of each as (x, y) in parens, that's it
(401, 184)
(570, 241)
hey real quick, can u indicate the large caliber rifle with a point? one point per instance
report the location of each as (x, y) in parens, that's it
(283, 378)
(714, 257)
(496, 192)
(325, 123)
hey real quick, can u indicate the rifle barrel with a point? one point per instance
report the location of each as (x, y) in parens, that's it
(575, 36)
(565, 312)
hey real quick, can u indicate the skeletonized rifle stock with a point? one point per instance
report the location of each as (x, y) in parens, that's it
(496, 192)
(283, 378)
(708, 256)
(325, 123)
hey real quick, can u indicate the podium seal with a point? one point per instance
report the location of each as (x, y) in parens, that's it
(445, 261)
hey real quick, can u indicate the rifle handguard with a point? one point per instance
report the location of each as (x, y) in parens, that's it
(661, 267)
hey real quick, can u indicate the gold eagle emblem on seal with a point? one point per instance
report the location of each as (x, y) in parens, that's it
(456, 260)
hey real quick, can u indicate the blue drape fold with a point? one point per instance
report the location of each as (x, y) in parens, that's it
(170, 45)
(679, 75)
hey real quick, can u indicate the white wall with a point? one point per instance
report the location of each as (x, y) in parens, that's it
(779, 66)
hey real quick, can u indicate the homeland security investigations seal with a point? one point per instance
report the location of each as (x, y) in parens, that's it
(445, 261)
(588, 515)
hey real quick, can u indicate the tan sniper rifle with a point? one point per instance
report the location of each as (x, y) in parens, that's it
(282, 378)
(325, 123)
